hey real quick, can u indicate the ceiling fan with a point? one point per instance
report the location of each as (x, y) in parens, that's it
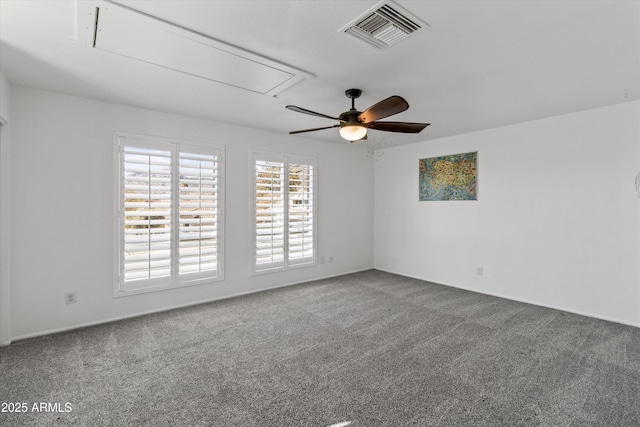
(354, 124)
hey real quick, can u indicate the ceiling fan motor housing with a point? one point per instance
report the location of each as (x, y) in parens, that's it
(350, 118)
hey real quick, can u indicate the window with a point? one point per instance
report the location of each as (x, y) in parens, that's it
(170, 216)
(284, 212)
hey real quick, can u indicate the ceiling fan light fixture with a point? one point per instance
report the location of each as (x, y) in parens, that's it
(353, 132)
(354, 124)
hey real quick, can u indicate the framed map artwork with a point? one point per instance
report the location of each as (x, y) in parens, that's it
(452, 177)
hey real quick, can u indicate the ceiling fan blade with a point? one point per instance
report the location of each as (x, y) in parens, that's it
(404, 127)
(385, 108)
(312, 113)
(311, 130)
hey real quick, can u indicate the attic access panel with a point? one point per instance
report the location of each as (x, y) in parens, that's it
(127, 32)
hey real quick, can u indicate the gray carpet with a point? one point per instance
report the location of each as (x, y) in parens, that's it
(371, 348)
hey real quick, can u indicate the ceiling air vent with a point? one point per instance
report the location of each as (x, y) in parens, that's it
(384, 25)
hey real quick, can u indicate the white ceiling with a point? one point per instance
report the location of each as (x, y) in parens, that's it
(480, 64)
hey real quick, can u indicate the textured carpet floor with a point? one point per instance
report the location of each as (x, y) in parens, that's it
(371, 348)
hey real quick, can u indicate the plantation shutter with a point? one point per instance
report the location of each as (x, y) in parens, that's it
(170, 218)
(147, 181)
(198, 211)
(300, 213)
(284, 211)
(269, 214)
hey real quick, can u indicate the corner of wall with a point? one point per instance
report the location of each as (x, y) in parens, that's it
(5, 97)
(5, 93)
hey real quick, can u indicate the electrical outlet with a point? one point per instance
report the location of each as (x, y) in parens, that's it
(70, 297)
(330, 259)
(479, 271)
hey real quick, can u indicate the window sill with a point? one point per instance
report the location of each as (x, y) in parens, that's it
(118, 293)
(282, 269)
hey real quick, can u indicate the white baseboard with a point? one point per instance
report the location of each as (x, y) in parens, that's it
(581, 313)
(115, 319)
(174, 307)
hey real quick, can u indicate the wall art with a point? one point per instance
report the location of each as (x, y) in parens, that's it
(452, 177)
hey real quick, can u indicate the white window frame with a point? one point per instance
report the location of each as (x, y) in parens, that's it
(174, 280)
(287, 160)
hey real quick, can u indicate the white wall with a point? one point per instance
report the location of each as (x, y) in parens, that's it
(62, 208)
(557, 222)
(5, 96)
